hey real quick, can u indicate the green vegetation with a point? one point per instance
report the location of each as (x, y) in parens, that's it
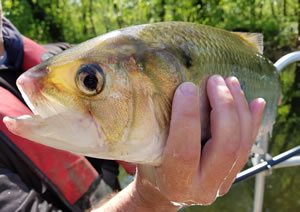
(78, 20)
(279, 20)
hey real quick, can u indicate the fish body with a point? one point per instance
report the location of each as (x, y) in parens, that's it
(111, 97)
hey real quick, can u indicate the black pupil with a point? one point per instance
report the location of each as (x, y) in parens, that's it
(90, 81)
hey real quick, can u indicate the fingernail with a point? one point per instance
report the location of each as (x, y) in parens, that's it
(261, 101)
(218, 79)
(188, 89)
(234, 81)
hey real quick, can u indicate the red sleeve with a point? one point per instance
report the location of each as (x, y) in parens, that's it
(32, 53)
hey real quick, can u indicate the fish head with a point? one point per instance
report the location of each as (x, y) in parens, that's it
(109, 97)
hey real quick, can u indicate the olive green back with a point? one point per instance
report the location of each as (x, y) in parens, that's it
(205, 51)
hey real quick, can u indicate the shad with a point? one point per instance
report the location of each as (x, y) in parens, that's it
(110, 97)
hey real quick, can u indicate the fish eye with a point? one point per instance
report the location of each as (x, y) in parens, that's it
(90, 79)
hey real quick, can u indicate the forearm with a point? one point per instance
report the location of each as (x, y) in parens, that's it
(137, 197)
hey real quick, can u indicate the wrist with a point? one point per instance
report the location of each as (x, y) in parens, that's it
(147, 196)
(140, 198)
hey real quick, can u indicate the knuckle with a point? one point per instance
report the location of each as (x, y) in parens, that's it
(243, 160)
(191, 157)
(227, 122)
(246, 147)
(208, 199)
(191, 114)
(224, 190)
(243, 95)
(228, 104)
(176, 196)
(248, 140)
(186, 155)
(209, 195)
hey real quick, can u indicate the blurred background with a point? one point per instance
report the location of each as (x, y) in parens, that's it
(74, 21)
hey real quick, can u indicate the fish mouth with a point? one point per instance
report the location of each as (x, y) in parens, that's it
(30, 85)
(41, 105)
(55, 131)
(52, 123)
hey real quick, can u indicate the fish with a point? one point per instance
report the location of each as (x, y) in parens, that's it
(111, 97)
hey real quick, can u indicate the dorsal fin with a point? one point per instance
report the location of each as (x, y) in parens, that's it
(254, 39)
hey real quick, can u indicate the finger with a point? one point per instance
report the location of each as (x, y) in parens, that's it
(249, 129)
(220, 152)
(183, 147)
(239, 99)
(245, 128)
(257, 109)
(242, 107)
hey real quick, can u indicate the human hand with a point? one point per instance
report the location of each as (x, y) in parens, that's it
(188, 175)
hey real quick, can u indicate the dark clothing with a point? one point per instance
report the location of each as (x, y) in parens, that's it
(21, 189)
(14, 53)
(13, 45)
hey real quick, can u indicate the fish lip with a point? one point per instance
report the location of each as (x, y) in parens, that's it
(32, 124)
(41, 101)
(31, 102)
(37, 101)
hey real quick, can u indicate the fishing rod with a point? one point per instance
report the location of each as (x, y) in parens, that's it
(267, 165)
